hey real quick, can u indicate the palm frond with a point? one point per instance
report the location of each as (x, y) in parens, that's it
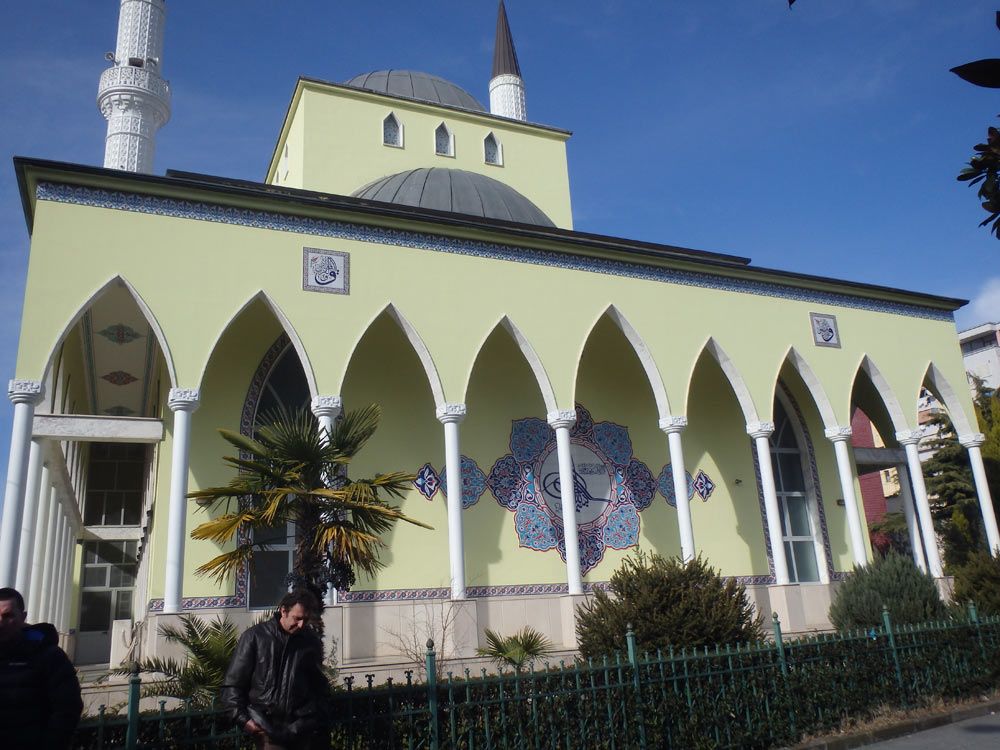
(222, 567)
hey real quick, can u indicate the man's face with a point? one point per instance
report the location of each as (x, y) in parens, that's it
(294, 619)
(11, 620)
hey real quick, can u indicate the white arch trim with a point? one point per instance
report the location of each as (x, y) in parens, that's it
(816, 389)
(423, 354)
(147, 313)
(286, 325)
(645, 358)
(734, 377)
(899, 421)
(958, 416)
(534, 362)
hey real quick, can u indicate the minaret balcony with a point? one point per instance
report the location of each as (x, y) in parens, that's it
(123, 77)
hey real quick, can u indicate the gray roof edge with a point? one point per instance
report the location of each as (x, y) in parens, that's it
(250, 189)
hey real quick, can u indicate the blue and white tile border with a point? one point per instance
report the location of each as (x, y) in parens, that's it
(201, 211)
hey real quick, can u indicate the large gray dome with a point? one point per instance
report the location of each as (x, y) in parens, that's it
(414, 85)
(457, 191)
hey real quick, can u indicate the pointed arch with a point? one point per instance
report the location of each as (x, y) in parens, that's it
(815, 388)
(492, 150)
(734, 377)
(885, 392)
(444, 141)
(285, 324)
(146, 311)
(392, 131)
(946, 394)
(617, 317)
(423, 353)
(530, 356)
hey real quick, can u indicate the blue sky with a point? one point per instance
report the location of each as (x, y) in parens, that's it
(823, 139)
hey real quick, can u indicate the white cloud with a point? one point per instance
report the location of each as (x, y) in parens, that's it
(984, 307)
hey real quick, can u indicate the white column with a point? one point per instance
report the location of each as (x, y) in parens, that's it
(971, 443)
(909, 439)
(906, 499)
(22, 569)
(33, 594)
(760, 432)
(451, 415)
(673, 426)
(24, 394)
(561, 421)
(44, 600)
(327, 409)
(55, 610)
(65, 585)
(840, 436)
(182, 402)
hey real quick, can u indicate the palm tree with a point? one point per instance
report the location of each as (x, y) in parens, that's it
(290, 471)
(516, 650)
(208, 646)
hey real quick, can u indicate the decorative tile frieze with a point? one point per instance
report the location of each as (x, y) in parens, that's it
(198, 210)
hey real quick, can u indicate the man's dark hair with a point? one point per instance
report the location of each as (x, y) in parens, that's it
(304, 597)
(7, 593)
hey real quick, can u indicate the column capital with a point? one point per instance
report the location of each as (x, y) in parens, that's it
(25, 391)
(972, 440)
(673, 424)
(561, 418)
(450, 413)
(327, 406)
(183, 399)
(838, 434)
(760, 429)
(909, 437)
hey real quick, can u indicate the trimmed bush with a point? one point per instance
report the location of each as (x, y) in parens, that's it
(892, 581)
(668, 603)
(978, 581)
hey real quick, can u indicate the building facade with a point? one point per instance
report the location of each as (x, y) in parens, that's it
(412, 249)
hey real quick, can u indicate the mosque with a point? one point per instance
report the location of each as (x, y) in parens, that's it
(413, 248)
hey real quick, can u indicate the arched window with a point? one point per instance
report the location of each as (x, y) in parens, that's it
(284, 385)
(491, 150)
(444, 141)
(392, 131)
(800, 524)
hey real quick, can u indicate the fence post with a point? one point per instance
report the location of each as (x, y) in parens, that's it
(132, 729)
(432, 696)
(974, 619)
(780, 645)
(633, 657)
(895, 655)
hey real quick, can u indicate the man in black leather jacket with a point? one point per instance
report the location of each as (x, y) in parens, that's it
(39, 693)
(275, 688)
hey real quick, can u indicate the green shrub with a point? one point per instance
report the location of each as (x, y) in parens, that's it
(978, 581)
(892, 581)
(668, 603)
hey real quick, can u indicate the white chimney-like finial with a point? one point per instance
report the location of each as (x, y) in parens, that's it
(132, 96)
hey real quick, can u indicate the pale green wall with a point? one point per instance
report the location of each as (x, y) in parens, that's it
(196, 276)
(341, 143)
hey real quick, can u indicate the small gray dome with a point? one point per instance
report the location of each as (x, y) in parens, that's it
(457, 191)
(414, 85)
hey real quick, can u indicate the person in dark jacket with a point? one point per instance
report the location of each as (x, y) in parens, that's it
(39, 694)
(275, 688)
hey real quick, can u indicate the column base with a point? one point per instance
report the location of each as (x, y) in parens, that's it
(568, 605)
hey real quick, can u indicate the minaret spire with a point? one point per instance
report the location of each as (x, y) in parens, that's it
(506, 85)
(132, 96)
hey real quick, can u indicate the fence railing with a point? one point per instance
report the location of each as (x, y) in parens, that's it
(754, 696)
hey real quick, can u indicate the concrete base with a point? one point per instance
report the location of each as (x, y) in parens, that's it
(121, 639)
(946, 588)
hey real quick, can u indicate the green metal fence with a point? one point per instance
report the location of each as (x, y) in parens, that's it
(755, 696)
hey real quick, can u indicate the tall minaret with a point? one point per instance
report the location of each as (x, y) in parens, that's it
(132, 96)
(506, 85)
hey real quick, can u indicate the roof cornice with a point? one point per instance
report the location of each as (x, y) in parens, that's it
(294, 202)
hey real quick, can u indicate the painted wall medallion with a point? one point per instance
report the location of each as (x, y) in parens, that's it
(824, 328)
(610, 487)
(326, 271)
